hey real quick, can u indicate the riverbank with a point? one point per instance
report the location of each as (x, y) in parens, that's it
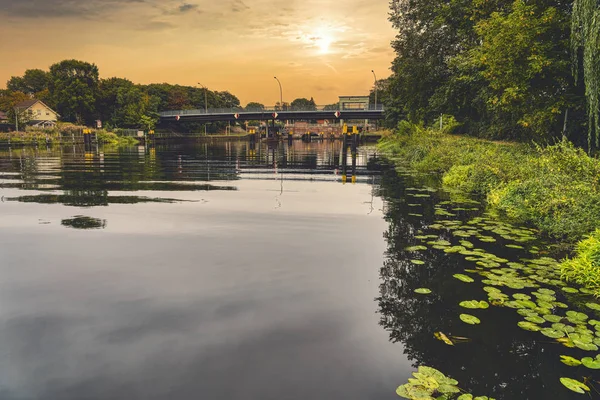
(554, 189)
(68, 134)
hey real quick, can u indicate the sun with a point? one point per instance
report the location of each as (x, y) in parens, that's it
(323, 43)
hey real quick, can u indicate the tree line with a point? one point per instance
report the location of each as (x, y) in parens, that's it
(504, 69)
(74, 89)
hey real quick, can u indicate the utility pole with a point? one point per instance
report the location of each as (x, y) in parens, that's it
(205, 103)
(375, 76)
(17, 118)
(280, 93)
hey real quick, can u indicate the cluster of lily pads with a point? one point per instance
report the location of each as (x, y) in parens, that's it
(532, 285)
(430, 384)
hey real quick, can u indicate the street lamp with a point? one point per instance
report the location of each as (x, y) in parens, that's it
(205, 103)
(375, 76)
(280, 93)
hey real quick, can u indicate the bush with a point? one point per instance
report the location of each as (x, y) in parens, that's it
(584, 269)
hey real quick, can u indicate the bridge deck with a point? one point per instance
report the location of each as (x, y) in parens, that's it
(224, 115)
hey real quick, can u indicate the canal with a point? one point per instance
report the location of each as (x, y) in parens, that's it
(229, 270)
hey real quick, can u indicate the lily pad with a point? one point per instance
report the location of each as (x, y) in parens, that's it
(574, 385)
(552, 333)
(474, 304)
(464, 278)
(591, 363)
(570, 361)
(593, 306)
(469, 319)
(536, 319)
(417, 262)
(570, 290)
(416, 248)
(423, 291)
(528, 326)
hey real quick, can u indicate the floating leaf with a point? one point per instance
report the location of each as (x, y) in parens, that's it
(552, 333)
(591, 363)
(514, 246)
(474, 304)
(570, 290)
(442, 337)
(593, 306)
(570, 361)
(536, 319)
(464, 278)
(423, 291)
(416, 248)
(585, 346)
(552, 318)
(528, 326)
(465, 396)
(417, 262)
(469, 319)
(574, 385)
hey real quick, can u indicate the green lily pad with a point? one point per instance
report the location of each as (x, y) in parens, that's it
(585, 346)
(570, 290)
(417, 262)
(574, 385)
(423, 291)
(464, 278)
(474, 304)
(535, 319)
(528, 326)
(552, 318)
(416, 248)
(469, 319)
(570, 361)
(591, 363)
(593, 306)
(552, 333)
(465, 396)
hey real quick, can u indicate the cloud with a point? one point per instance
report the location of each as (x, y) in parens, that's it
(61, 8)
(238, 6)
(186, 7)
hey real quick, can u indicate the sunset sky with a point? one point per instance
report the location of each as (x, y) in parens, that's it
(319, 48)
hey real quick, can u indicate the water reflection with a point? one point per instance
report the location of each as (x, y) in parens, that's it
(101, 177)
(221, 271)
(500, 359)
(83, 222)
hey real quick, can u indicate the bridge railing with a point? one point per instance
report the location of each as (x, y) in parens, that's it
(266, 110)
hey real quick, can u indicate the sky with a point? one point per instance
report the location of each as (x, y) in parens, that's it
(317, 48)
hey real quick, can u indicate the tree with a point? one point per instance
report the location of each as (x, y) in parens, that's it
(332, 107)
(8, 101)
(585, 40)
(253, 106)
(73, 87)
(304, 104)
(32, 82)
(121, 103)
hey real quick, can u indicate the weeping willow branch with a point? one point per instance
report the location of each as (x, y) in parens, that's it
(585, 38)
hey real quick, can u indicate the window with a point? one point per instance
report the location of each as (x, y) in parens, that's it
(39, 112)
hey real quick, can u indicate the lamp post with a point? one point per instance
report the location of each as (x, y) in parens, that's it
(375, 76)
(205, 103)
(280, 93)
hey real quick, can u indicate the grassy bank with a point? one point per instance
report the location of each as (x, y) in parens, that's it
(555, 189)
(64, 133)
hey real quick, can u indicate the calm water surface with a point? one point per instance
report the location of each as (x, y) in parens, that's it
(231, 271)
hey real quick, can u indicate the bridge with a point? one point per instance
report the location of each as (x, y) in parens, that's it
(272, 113)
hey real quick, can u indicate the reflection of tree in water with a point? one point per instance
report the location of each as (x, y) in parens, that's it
(83, 222)
(500, 360)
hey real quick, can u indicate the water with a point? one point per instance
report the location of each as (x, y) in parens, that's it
(227, 271)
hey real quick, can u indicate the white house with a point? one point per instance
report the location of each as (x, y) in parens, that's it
(36, 113)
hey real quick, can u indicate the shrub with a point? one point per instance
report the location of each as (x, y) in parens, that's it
(584, 269)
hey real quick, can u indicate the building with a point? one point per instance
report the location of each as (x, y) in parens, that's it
(354, 102)
(35, 113)
(3, 118)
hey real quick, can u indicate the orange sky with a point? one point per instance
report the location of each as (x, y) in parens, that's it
(319, 48)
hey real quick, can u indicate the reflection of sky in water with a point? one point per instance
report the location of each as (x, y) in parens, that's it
(252, 293)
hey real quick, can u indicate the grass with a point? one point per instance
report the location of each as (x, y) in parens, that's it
(555, 189)
(584, 268)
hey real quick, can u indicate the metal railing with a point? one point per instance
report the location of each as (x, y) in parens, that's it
(266, 110)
